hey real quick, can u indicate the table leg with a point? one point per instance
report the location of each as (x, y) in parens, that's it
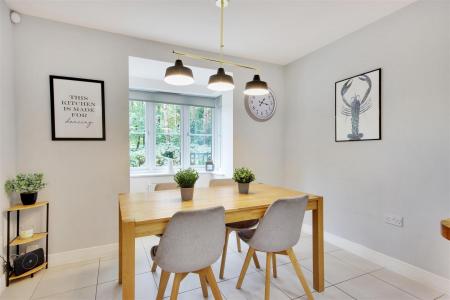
(120, 246)
(128, 249)
(318, 247)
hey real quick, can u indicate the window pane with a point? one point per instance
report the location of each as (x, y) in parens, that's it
(200, 120)
(200, 126)
(167, 134)
(201, 149)
(137, 133)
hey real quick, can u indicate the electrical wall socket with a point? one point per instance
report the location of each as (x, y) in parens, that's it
(393, 220)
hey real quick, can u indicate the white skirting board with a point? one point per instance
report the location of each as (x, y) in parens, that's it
(390, 263)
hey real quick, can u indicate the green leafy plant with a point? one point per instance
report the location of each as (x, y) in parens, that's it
(25, 183)
(243, 175)
(186, 178)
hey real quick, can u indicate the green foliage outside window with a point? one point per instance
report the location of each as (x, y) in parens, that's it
(137, 133)
(168, 136)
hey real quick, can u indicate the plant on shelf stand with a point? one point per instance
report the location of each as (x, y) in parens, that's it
(186, 180)
(243, 176)
(27, 185)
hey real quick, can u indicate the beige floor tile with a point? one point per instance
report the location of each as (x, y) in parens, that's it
(369, 287)
(252, 289)
(330, 293)
(191, 282)
(444, 297)
(22, 289)
(410, 286)
(87, 293)
(336, 271)
(288, 282)
(233, 266)
(303, 249)
(109, 268)
(355, 260)
(66, 278)
(144, 286)
(195, 295)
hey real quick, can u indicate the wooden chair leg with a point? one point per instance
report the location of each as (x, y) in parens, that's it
(299, 273)
(204, 284)
(238, 241)
(176, 286)
(162, 284)
(224, 254)
(250, 253)
(274, 265)
(256, 261)
(213, 284)
(267, 289)
(154, 266)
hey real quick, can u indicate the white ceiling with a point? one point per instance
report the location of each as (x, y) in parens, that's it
(277, 31)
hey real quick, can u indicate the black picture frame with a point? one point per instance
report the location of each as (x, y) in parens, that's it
(52, 109)
(379, 106)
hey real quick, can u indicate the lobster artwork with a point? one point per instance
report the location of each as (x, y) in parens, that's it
(356, 106)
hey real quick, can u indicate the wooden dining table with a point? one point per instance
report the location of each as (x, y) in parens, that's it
(144, 214)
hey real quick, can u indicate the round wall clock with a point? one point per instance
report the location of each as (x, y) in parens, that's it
(261, 108)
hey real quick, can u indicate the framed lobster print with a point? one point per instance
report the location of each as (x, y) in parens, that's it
(358, 107)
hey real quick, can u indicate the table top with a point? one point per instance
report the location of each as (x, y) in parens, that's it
(162, 205)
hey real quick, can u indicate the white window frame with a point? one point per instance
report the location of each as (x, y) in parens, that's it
(150, 140)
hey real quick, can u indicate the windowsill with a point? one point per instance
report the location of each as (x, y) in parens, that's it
(164, 174)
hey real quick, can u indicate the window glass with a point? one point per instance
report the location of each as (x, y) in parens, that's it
(137, 134)
(200, 133)
(167, 134)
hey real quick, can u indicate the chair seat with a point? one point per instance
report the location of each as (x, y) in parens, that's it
(153, 251)
(242, 224)
(247, 234)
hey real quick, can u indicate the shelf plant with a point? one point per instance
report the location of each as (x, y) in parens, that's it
(243, 176)
(27, 185)
(186, 179)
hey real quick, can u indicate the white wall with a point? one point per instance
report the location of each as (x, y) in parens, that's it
(85, 177)
(408, 171)
(7, 120)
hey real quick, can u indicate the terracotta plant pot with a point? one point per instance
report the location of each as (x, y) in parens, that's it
(28, 198)
(187, 194)
(243, 188)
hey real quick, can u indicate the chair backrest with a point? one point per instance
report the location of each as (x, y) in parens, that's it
(192, 240)
(166, 186)
(221, 182)
(281, 225)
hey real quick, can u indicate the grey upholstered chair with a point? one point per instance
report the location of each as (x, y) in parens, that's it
(163, 187)
(166, 186)
(236, 226)
(191, 243)
(278, 231)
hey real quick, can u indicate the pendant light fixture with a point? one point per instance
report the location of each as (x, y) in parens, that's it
(178, 74)
(256, 87)
(221, 82)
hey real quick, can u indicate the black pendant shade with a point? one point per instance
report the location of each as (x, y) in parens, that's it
(178, 74)
(221, 81)
(256, 87)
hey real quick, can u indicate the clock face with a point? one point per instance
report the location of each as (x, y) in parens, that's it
(261, 108)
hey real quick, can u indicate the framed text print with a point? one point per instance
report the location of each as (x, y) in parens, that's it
(358, 107)
(77, 108)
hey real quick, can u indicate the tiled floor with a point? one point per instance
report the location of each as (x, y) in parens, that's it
(347, 277)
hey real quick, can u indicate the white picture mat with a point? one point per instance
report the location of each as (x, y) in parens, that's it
(369, 121)
(70, 120)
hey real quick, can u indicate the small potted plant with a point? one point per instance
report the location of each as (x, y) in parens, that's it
(27, 185)
(243, 177)
(186, 180)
